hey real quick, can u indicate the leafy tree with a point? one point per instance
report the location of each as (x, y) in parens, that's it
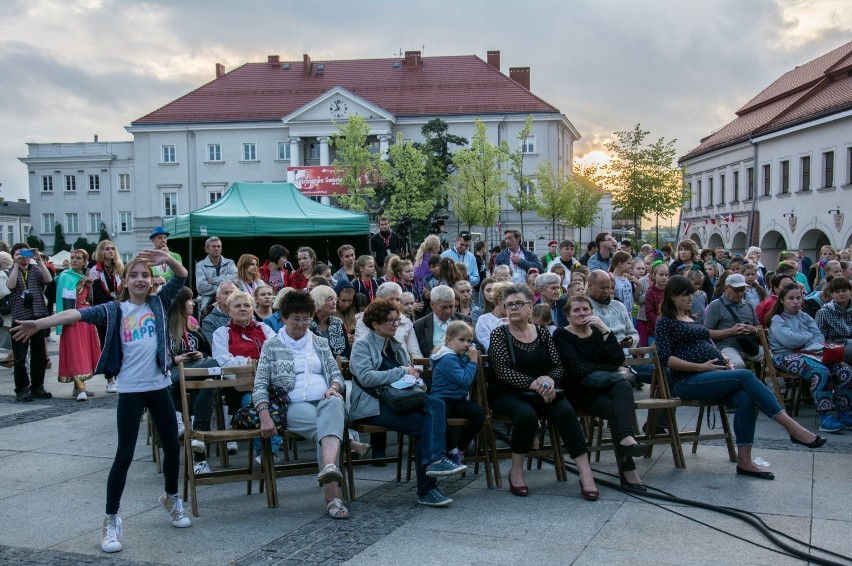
(410, 199)
(104, 235)
(478, 176)
(34, 241)
(524, 200)
(82, 243)
(439, 158)
(643, 176)
(354, 162)
(586, 200)
(558, 193)
(59, 243)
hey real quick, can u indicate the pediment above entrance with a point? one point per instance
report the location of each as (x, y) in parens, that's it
(321, 115)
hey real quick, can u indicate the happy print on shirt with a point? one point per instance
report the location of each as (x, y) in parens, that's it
(135, 328)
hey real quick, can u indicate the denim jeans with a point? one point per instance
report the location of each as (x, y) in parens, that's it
(427, 425)
(275, 440)
(738, 389)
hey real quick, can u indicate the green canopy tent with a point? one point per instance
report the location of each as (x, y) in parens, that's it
(257, 210)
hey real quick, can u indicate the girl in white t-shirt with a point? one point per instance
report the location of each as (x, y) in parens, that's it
(135, 350)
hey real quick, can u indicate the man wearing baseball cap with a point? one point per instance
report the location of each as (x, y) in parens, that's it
(162, 273)
(733, 324)
(551, 253)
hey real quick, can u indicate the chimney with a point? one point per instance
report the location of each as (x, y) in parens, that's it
(272, 60)
(96, 138)
(220, 70)
(494, 59)
(412, 59)
(307, 65)
(520, 75)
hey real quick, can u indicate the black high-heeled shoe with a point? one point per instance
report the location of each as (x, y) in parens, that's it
(632, 486)
(815, 443)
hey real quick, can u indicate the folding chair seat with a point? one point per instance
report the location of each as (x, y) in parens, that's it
(214, 378)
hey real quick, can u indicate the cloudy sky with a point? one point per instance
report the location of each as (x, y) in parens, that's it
(70, 69)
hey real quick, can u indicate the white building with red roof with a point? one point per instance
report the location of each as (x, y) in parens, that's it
(778, 176)
(252, 123)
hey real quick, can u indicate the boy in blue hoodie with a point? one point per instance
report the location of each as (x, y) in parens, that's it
(454, 368)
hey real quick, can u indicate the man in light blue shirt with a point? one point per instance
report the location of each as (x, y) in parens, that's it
(460, 254)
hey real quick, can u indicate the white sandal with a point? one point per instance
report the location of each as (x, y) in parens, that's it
(336, 509)
(330, 474)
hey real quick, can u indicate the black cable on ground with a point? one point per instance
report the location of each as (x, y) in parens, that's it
(746, 516)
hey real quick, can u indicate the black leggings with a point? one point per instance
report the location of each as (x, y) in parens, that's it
(464, 409)
(127, 416)
(525, 410)
(616, 405)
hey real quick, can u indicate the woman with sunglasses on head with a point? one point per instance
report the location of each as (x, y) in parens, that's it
(527, 373)
(700, 372)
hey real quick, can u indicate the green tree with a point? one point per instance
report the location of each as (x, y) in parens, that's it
(104, 235)
(353, 163)
(479, 177)
(82, 243)
(557, 194)
(404, 174)
(587, 200)
(439, 157)
(643, 176)
(524, 200)
(34, 241)
(59, 243)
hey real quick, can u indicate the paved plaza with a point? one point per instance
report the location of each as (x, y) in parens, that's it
(55, 456)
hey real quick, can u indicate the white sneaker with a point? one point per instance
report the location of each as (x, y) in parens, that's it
(201, 467)
(232, 448)
(111, 534)
(198, 446)
(174, 507)
(112, 387)
(181, 428)
(81, 396)
(275, 460)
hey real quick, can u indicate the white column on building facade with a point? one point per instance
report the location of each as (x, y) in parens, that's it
(383, 146)
(295, 152)
(324, 160)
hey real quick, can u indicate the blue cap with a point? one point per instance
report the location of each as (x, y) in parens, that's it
(157, 231)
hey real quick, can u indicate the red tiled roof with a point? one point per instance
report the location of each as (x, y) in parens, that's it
(822, 86)
(440, 86)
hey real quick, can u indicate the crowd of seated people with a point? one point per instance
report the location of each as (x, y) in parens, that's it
(556, 330)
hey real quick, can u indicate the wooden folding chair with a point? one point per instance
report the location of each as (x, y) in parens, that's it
(794, 385)
(659, 401)
(362, 428)
(552, 449)
(212, 378)
(485, 449)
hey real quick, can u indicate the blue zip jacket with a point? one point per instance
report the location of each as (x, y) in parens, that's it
(109, 315)
(452, 374)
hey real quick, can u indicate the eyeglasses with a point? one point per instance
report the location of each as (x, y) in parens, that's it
(331, 300)
(299, 320)
(392, 321)
(516, 305)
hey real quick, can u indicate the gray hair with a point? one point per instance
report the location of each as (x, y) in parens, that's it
(6, 260)
(210, 240)
(519, 290)
(227, 282)
(546, 279)
(754, 249)
(442, 293)
(388, 288)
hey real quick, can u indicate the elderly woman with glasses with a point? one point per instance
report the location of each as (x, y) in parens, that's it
(327, 324)
(301, 364)
(378, 359)
(527, 372)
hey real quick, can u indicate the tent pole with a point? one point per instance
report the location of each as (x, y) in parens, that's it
(190, 279)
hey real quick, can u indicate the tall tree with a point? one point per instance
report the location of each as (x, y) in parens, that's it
(404, 174)
(104, 235)
(558, 193)
(643, 176)
(479, 175)
(34, 241)
(524, 200)
(586, 206)
(82, 243)
(59, 243)
(354, 162)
